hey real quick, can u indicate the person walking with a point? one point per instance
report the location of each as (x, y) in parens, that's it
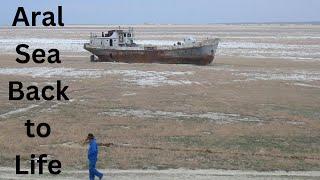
(93, 157)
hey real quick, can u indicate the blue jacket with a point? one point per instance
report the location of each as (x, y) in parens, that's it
(93, 150)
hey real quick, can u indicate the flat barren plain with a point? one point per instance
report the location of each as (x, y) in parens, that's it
(257, 107)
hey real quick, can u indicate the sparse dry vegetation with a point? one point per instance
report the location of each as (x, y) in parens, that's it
(288, 115)
(289, 123)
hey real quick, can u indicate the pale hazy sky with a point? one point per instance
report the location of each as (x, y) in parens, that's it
(169, 11)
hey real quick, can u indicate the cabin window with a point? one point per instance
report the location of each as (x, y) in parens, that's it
(111, 42)
(125, 35)
(129, 34)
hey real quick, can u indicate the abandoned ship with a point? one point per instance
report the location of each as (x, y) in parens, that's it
(119, 46)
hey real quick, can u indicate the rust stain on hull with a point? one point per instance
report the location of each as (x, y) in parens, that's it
(158, 59)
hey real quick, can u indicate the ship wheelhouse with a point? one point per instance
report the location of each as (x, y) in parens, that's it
(114, 38)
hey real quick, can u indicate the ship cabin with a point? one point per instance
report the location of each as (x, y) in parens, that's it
(114, 38)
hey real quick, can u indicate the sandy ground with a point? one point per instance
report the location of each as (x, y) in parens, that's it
(238, 106)
(245, 113)
(7, 173)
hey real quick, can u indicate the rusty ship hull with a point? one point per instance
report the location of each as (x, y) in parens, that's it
(119, 46)
(199, 55)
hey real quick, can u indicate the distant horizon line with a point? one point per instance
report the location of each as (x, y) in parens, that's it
(146, 23)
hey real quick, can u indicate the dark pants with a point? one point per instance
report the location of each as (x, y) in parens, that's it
(93, 171)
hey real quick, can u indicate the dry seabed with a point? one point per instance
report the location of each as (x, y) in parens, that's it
(240, 106)
(178, 174)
